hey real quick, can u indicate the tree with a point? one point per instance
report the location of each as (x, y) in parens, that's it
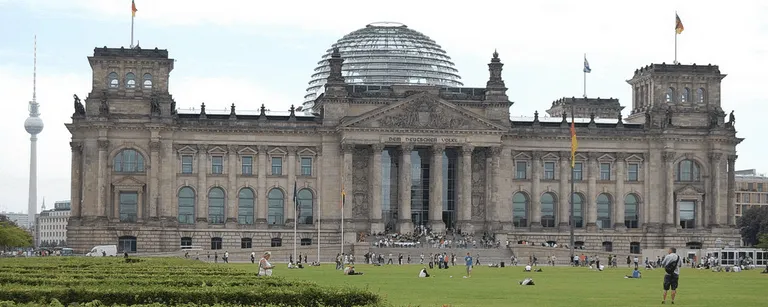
(752, 223)
(13, 236)
(763, 241)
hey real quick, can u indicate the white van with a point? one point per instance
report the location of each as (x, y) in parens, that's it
(103, 250)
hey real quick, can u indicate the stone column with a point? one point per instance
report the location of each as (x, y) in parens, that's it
(436, 189)
(377, 224)
(101, 182)
(76, 182)
(262, 169)
(405, 224)
(232, 187)
(715, 196)
(167, 182)
(731, 211)
(670, 219)
(504, 188)
(494, 206)
(154, 181)
(202, 184)
(140, 215)
(621, 165)
(465, 189)
(593, 171)
(290, 207)
(536, 171)
(318, 173)
(347, 183)
(564, 203)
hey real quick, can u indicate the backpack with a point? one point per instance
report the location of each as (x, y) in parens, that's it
(671, 266)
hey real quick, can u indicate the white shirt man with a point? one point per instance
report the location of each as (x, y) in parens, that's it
(528, 268)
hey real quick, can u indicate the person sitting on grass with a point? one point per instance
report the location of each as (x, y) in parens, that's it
(527, 268)
(526, 282)
(635, 274)
(350, 270)
(423, 272)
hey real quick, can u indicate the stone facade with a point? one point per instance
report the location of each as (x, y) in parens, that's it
(151, 179)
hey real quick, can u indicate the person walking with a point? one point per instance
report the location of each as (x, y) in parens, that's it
(671, 264)
(468, 261)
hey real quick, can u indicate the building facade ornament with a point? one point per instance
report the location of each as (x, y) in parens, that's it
(155, 145)
(668, 156)
(103, 144)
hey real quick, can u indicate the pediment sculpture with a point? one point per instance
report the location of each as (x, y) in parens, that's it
(425, 113)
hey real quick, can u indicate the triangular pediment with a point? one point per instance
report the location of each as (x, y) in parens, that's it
(580, 157)
(246, 151)
(217, 150)
(606, 158)
(422, 111)
(306, 152)
(186, 149)
(634, 158)
(522, 156)
(277, 151)
(128, 181)
(550, 156)
(689, 190)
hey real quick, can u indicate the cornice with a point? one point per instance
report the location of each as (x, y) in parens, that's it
(419, 130)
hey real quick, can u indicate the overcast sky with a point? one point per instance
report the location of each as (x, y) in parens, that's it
(254, 52)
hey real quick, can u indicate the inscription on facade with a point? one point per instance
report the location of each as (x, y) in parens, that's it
(422, 139)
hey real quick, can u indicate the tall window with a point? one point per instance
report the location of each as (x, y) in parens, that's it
(549, 170)
(277, 166)
(247, 165)
(578, 174)
(548, 207)
(245, 206)
(520, 169)
(670, 96)
(420, 183)
(113, 80)
(306, 204)
(129, 206)
(631, 218)
(130, 80)
(306, 166)
(186, 164)
(700, 95)
(216, 243)
(688, 170)
(276, 205)
(605, 171)
(633, 172)
(578, 215)
(216, 206)
(604, 211)
(128, 161)
(217, 165)
(126, 244)
(186, 206)
(449, 191)
(520, 209)
(147, 81)
(685, 96)
(687, 214)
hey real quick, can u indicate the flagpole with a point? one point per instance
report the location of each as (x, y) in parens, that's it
(676, 17)
(343, 196)
(318, 233)
(132, 18)
(573, 182)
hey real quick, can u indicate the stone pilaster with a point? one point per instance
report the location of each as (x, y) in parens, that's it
(346, 180)
(536, 171)
(731, 211)
(494, 207)
(564, 203)
(621, 165)
(167, 183)
(377, 224)
(593, 171)
(318, 171)
(404, 223)
(715, 162)
(669, 197)
(232, 193)
(262, 169)
(76, 182)
(154, 173)
(290, 207)
(436, 189)
(101, 182)
(465, 188)
(503, 186)
(201, 207)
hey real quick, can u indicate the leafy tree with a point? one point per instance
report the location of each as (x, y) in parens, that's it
(752, 223)
(13, 236)
(763, 241)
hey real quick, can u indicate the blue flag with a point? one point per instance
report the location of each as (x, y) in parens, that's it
(586, 65)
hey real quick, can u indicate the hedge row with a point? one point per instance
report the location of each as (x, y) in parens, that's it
(57, 303)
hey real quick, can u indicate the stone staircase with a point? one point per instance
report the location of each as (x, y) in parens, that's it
(487, 255)
(279, 254)
(562, 255)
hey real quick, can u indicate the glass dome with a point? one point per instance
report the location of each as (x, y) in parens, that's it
(386, 53)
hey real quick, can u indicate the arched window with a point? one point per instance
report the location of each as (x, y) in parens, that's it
(688, 170)
(245, 206)
(304, 198)
(520, 209)
(700, 95)
(685, 96)
(130, 80)
(147, 81)
(128, 161)
(670, 96)
(113, 80)
(578, 213)
(604, 211)
(548, 207)
(216, 206)
(186, 206)
(631, 211)
(276, 205)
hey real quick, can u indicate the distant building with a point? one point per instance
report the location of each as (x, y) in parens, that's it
(751, 190)
(21, 219)
(52, 225)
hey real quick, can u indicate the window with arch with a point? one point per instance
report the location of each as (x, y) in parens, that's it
(186, 205)
(631, 211)
(130, 80)
(604, 211)
(520, 209)
(128, 161)
(305, 199)
(685, 96)
(670, 95)
(147, 81)
(688, 170)
(578, 211)
(113, 81)
(216, 206)
(548, 207)
(245, 206)
(700, 95)
(276, 207)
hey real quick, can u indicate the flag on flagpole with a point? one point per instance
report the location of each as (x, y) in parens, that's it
(296, 199)
(586, 65)
(678, 24)
(133, 8)
(343, 197)
(574, 144)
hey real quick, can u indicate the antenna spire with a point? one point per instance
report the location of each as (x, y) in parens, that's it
(34, 73)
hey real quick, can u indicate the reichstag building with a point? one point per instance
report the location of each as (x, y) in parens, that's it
(396, 131)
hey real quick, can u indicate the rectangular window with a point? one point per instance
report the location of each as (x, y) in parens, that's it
(687, 214)
(217, 165)
(549, 170)
(247, 165)
(246, 243)
(129, 206)
(750, 186)
(577, 171)
(306, 166)
(747, 198)
(633, 172)
(277, 166)
(605, 171)
(521, 170)
(759, 187)
(186, 164)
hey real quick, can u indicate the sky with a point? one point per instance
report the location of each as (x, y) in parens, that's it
(254, 52)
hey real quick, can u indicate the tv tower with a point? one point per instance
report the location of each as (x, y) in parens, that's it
(33, 125)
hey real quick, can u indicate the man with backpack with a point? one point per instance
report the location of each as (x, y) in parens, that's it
(671, 264)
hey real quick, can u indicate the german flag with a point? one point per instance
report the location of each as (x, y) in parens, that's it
(678, 25)
(343, 197)
(574, 144)
(133, 8)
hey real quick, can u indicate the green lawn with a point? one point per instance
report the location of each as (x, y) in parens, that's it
(556, 286)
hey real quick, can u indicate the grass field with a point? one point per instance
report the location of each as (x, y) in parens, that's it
(556, 286)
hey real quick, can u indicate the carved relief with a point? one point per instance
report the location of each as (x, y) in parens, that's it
(478, 185)
(103, 144)
(76, 146)
(378, 147)
(494, 151)
(668, 156)
(292, 150)
(202, 147)
(233, 148)
(467, 149)
(715, 156)
(425, 112)
(262, 148)
(360, 172)
(437, 149)
(347, 148)
(732, 158)
(155, 145)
